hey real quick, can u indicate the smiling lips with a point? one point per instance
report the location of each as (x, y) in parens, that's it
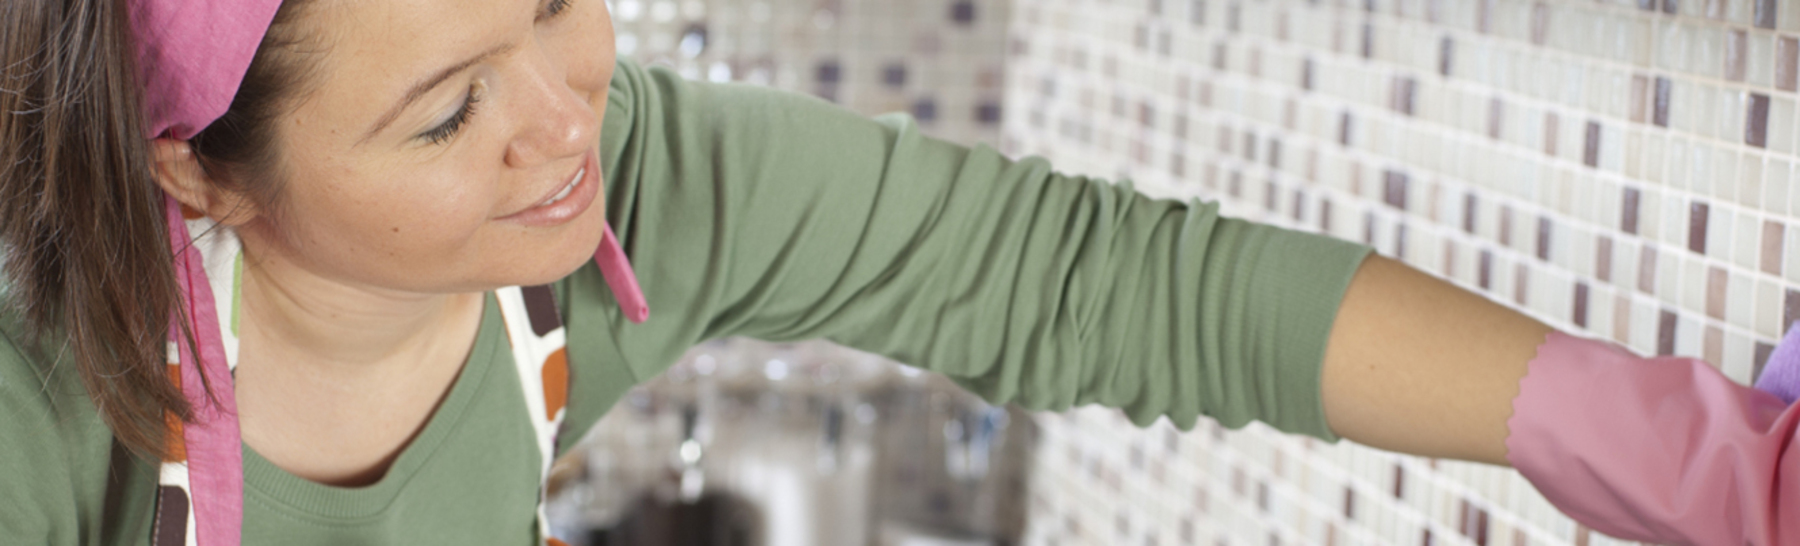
(568, 202)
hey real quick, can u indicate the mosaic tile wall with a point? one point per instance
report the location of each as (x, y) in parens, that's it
(941, 60)
(1621, 168)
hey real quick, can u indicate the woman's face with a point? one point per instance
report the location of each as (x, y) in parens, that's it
(434, 135)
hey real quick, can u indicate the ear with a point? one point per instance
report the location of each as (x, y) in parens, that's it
(179, 173)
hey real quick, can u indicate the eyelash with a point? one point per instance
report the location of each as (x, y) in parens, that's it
(444, 132)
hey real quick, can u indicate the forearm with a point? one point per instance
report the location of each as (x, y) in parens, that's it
(1417, 365)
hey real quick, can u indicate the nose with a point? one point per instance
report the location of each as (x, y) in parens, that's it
(556, 120)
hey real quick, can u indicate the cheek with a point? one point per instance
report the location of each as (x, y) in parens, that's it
(420, 219)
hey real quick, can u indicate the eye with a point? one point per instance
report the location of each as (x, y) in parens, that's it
(450, 127)
(554, 8)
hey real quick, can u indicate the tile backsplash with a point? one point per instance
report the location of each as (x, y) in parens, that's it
(1620, 168)
(1624, 169)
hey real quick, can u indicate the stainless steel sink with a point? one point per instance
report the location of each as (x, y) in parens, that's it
(748, 443)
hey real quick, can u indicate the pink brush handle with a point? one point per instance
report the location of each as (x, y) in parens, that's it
(619, 277)
(1662, 450)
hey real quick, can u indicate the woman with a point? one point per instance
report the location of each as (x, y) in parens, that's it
(339, 200)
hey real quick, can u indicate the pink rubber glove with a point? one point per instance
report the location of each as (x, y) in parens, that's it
(1661, 450)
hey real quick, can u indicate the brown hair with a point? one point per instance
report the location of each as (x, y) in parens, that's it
(82, 234)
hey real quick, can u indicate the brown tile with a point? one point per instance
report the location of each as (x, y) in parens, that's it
(1469, 213)
(1256, 62)
(1235, 187)
(1299, 209)
(1394, 189)
(1344, 128)
(1671, 6)
(1218, 56)
(1543, 238)
(1763, 350)
(1400, 95)
(1697, 214)
(1205, 94)
(1249, 146)
(1306, 74)
(1790, 309)
(1368, 41)
(1647, 5)
(1540, 23)
(1628, 213)
(1506, 225)
(1765, 13)
(1640, 98)
(1446, 52)
(1756, 122)
(1275, 153)
(1716, 281)
(1590, 149)
(1659, 113)
(1234, 17)
(1646, 281)
(1603, 254)
(1665, 333)
(1581, 305)
(1312, 164)
(1485, 276)
(1349, 504)
(1712, 345)
(1521, 285)
(1290, 111)
(1550, 133)
(1772, 234)
(1325, 216)
(1399, 481)
(1484, 15)
(1400, 242)
(1496, 114)
(1621, 318)
(1369, 228)
(1787, 52)
(1735, 55)
(1449, 258)
(1271, 196)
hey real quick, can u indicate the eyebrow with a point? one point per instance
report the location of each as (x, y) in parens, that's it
(426, 85)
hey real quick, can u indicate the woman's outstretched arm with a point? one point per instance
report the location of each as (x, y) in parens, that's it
(1417, 365)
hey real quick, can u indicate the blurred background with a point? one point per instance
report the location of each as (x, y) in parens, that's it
(1620, 168)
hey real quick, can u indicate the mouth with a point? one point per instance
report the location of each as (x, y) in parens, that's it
(565, 202)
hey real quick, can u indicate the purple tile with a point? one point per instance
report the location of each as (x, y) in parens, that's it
(1325, 216)
(1765, 13)
(1580, 317)
(1787, 52)
(1660, 107)
(1496, 114)
(1735, 55)
(1446, 52)
(1603, 254)
(1756, 122)
(1550, 133)
(1469, 213)
(1484, 277)
(1647, 269)
(1275, 153)
(1394, 189)
(1399, 489)
(1646, 5)
(1665, 333)
(1540, 23)
(1306, 74)
(1713, 345)
(1772, 235)
(1271, 196)
(1368, 41)
(1249, 146)
(1449, 258)
(1590, 150)
(1543, 238)
(1640, 98)
(1697, 214)
(1236, 186)
(1299, 209)
(1234, 17)
(1671, 6)
(1349, 504)
(1716, 282)
(1628, 213)
(1484, 15)
(1146, 115)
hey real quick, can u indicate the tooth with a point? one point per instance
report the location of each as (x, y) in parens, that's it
(566, 189)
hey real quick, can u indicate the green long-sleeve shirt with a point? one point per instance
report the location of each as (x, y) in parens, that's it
(759, 213)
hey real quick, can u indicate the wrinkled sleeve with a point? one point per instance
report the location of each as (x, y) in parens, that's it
(754, 212)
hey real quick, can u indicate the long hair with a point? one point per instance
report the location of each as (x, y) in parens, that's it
(87, 263)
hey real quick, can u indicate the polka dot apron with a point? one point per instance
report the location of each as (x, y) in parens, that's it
(201, 487)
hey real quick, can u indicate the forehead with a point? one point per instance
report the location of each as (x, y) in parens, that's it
(376, 49)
